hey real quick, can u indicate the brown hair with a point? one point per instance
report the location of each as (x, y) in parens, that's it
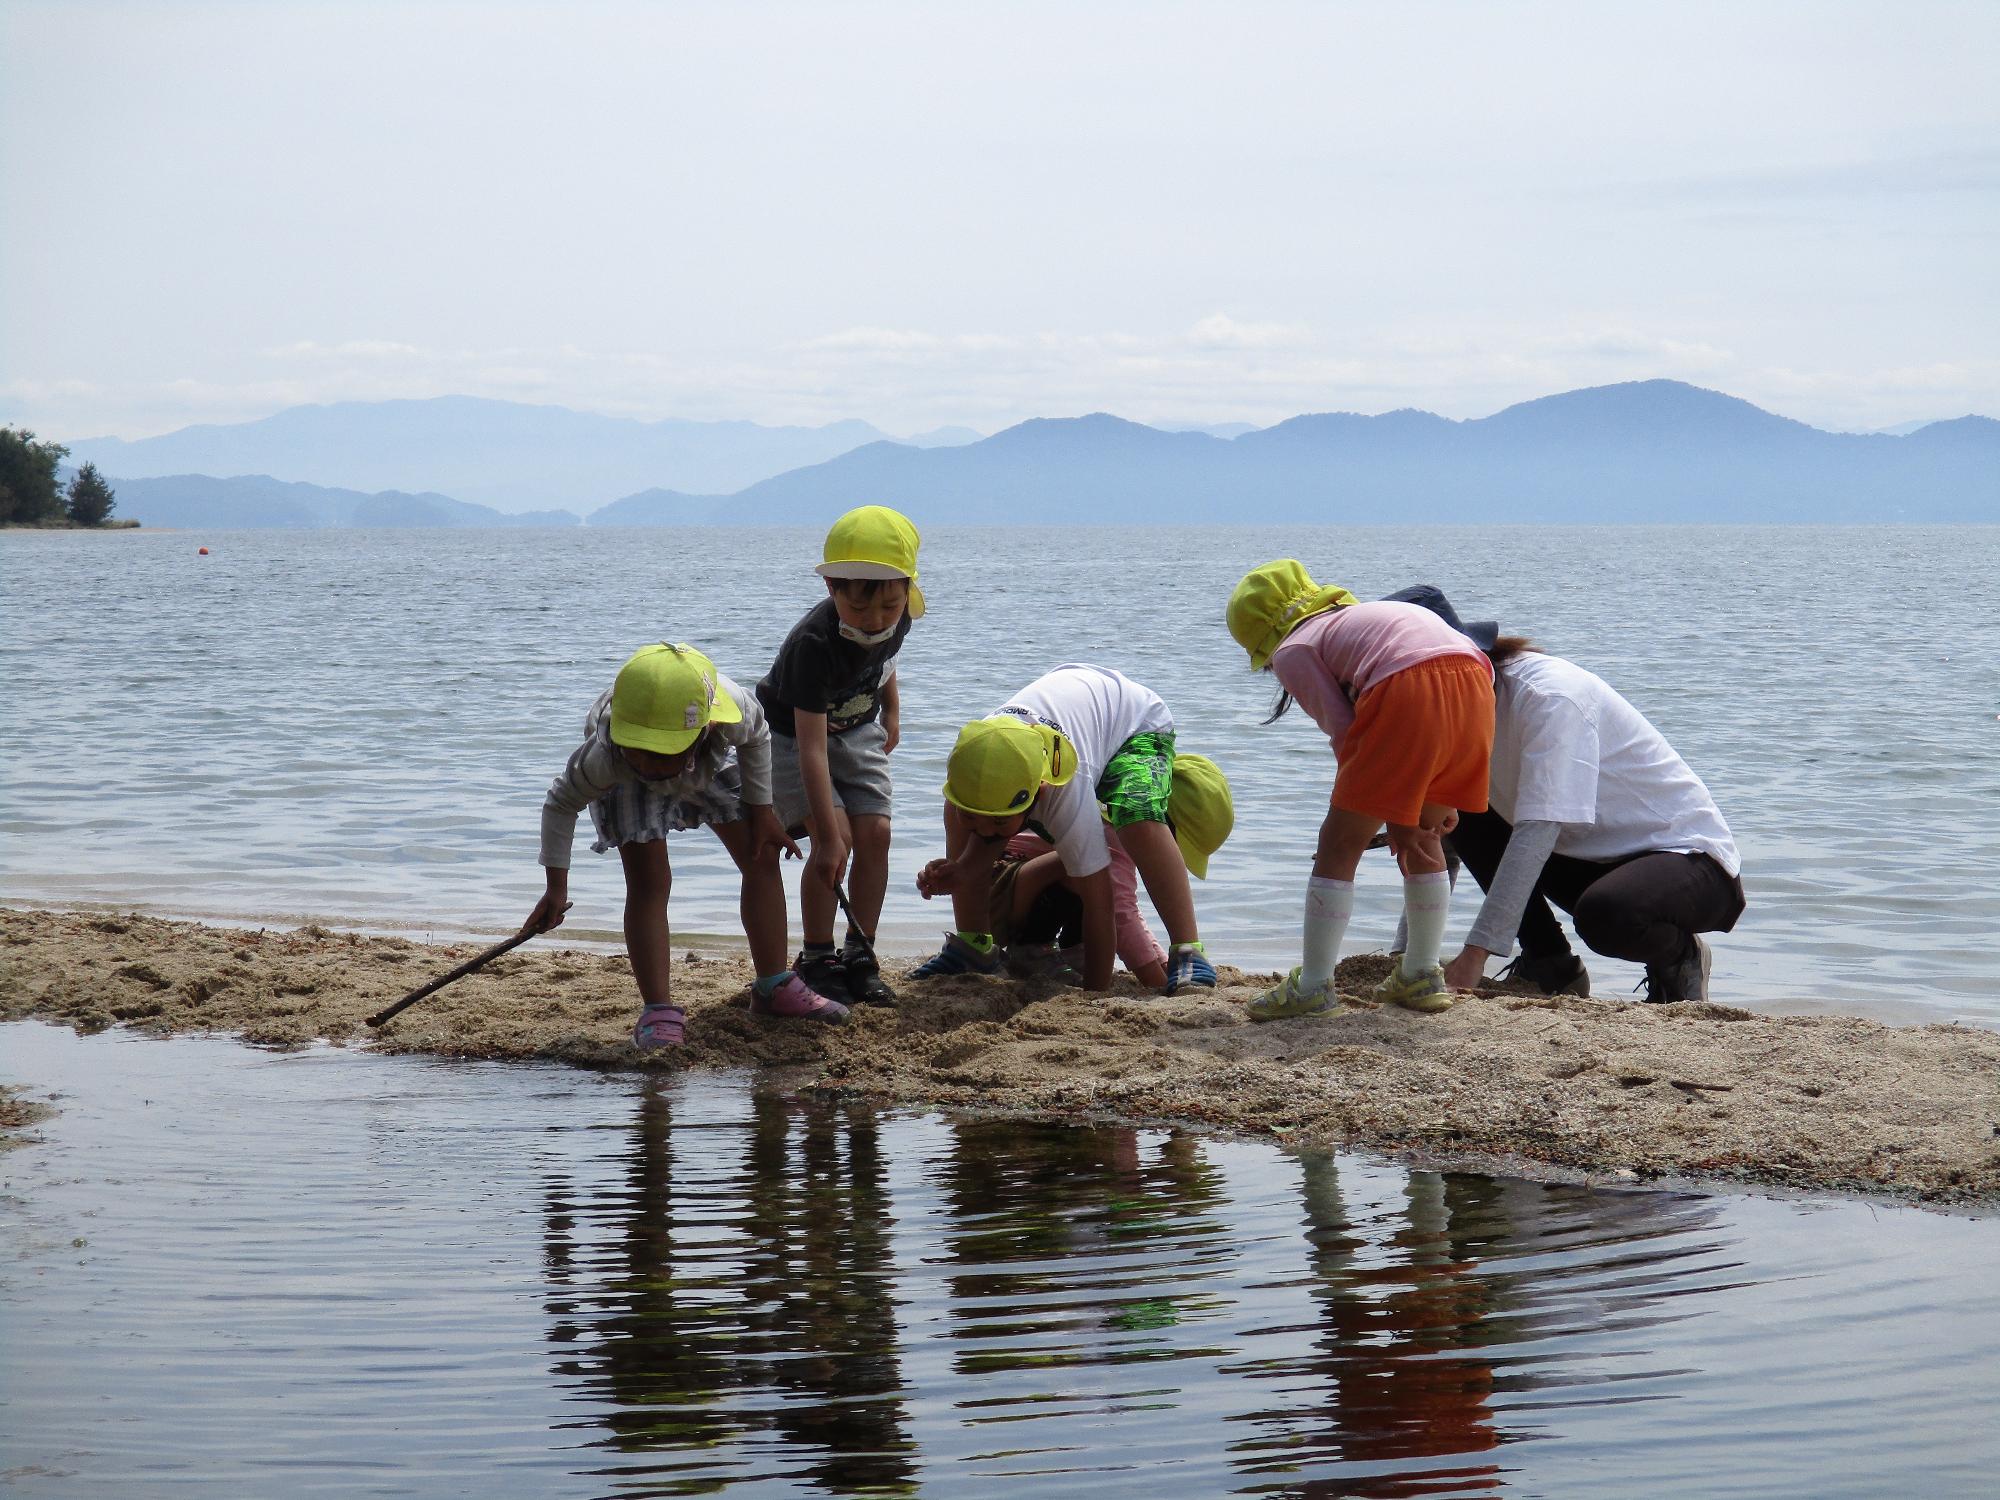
(1507, 647)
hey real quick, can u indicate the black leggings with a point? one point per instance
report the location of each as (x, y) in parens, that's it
(1644, 908)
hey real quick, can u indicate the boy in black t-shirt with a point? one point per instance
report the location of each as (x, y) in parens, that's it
(834, 712)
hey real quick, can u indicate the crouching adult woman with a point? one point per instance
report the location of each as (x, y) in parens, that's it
(1591, 809)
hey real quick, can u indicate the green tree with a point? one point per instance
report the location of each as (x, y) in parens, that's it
(90, 499)
(28, 488)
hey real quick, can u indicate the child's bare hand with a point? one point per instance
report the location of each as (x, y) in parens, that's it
(892, 732)
(766, 832)
(938, 878)
(1419, 848)
(829, 858)
(548, 913)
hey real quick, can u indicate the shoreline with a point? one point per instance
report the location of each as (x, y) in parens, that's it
(1514, 1083)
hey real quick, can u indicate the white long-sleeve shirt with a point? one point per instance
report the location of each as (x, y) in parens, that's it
(596, 767)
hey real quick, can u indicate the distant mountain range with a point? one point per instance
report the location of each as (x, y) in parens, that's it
(505, 454)
(257, 500)
(1652, 450)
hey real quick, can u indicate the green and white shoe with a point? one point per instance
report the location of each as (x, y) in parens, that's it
(1288, 1000)
(1426, 992)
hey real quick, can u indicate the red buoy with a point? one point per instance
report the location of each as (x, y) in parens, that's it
(202, 551)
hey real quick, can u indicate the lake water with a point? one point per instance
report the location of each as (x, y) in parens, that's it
(356, 727)
(235, 1273)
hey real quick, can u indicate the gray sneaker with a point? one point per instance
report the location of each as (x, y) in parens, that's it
(1686, 978)
(1553, 974)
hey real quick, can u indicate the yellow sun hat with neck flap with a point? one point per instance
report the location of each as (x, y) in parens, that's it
(1271, 602)
(664, 697)
(874, 542)
(1000, 763)
(1201, 810)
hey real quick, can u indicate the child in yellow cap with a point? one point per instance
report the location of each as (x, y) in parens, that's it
(835, 715)
(1037, 910)
(671, 745)
(1074, 739)
(1407, 703)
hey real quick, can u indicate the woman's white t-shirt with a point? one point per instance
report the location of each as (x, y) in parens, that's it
(1568, 749)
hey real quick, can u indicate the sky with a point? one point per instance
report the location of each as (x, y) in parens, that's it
(926, 214)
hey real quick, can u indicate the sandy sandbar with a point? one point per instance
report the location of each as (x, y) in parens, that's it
(1599, 1089)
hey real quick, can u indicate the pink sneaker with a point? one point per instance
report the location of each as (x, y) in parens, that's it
(659, 1026)
(793, 1001)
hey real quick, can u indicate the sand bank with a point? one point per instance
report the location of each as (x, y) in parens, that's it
(1593, 1088)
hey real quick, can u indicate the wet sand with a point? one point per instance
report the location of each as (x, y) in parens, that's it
(1596, 1089)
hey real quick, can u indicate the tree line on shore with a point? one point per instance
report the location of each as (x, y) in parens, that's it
(32, 492)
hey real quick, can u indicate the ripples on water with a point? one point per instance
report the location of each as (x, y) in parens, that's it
(358, 726)
(236, 1273)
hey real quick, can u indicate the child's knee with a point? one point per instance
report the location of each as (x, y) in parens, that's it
(649, 884)
(871, 836)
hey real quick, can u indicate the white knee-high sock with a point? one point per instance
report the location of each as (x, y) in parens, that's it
(1426, 906)
(1329, 905)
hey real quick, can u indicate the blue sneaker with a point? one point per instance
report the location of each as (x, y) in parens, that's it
(1189, 965)
(957, 956)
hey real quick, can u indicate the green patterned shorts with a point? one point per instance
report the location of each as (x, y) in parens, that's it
(1136, 784)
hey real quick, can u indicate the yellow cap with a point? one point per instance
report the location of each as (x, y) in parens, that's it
(999, 764)
(1270, 603)
(1201, 810)
(874, 542)
(664, 697)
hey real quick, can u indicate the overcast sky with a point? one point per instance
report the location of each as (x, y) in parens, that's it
(942, 213)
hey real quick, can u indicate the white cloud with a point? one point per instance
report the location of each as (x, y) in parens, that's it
(907, 379)
(1220, 331)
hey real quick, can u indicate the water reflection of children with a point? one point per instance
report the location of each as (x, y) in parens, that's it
(1401, 1341)
(693, 1339)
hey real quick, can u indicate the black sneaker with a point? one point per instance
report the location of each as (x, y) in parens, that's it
(1686, 978)
(864, 978)
(825, 975)
(1551, 973)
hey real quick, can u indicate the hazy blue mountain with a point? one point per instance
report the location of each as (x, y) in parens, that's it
(1654, 450)
(257, 500)
(945, 437)
(512, 456)
(660, 508)
(1223, 430)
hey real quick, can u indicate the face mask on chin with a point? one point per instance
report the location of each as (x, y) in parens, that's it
(862, 637)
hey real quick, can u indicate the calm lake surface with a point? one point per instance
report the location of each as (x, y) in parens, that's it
(234, 1273)
(356, 727)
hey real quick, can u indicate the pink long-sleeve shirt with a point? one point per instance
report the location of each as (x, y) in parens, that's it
(1331, 660)
(1134, 940)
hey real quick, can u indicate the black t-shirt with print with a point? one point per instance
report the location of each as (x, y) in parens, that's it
(822, 672)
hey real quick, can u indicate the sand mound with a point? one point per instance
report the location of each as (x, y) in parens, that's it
(1553, 1086)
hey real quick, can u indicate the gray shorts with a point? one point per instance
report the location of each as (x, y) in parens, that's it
(856, 763)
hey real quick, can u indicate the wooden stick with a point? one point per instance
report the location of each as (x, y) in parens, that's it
(840, 895)
(477, 962)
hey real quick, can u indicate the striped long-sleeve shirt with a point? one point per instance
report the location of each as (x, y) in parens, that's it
(596, 767)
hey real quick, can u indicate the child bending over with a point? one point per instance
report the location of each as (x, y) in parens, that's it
(672, 745)
(1407, 703)
(1073, 739)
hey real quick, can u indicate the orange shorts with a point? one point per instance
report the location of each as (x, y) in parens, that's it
(1424, 734)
